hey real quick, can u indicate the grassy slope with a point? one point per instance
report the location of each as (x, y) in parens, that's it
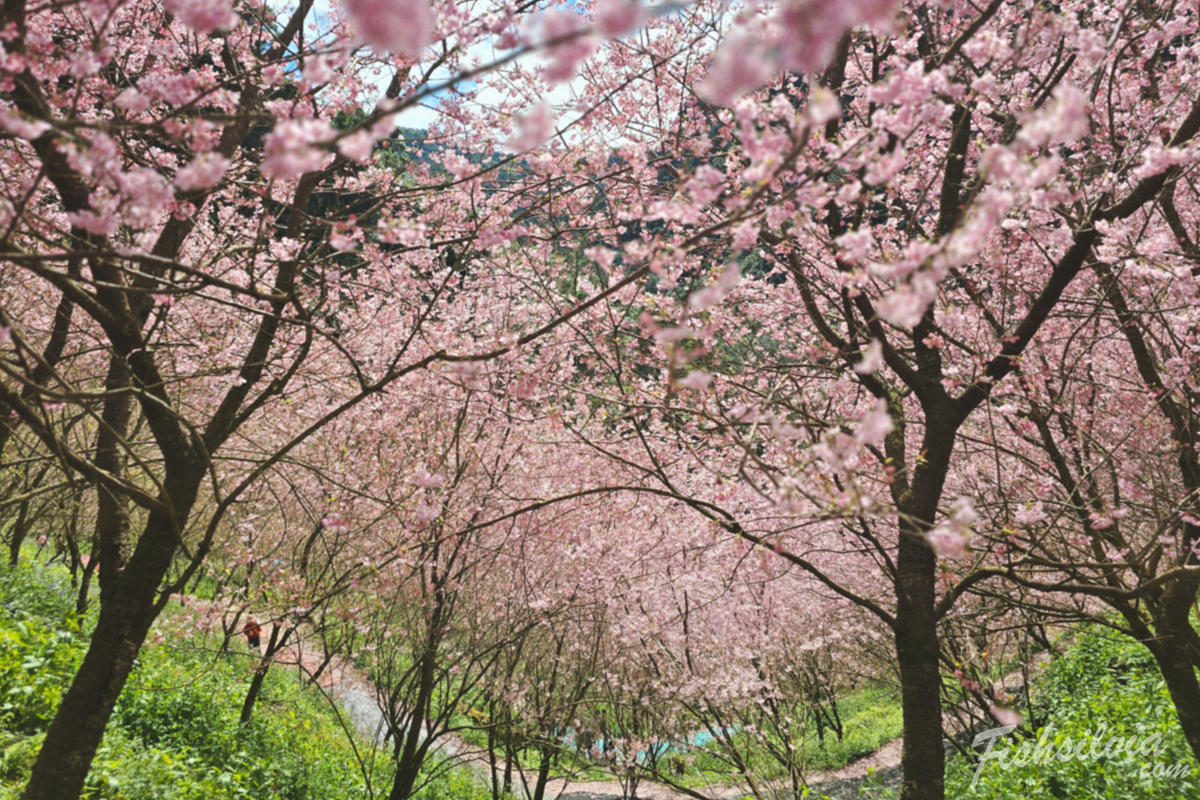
(175, 732)
(1105, 681)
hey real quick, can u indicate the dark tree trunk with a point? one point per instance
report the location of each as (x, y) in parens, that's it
(510, 756)
(1180, 677)
(78, 727)
(493, 770)
(408, 764)
(410, 753)
(1172, 651)
(252, 692)
(112, 513)
(274, 645)
(19, 530)
(125, 617)
(85, 585)
(923, 757)
(543, 775)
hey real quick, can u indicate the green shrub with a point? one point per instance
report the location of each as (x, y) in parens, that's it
(1106, 685)
(30, 590)
(459, 784)
(126, 769)
(36, 664)
(184, 702)
(40, 647)
(17, 753)
(175, 731)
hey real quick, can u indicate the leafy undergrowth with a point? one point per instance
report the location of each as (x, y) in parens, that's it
(871, 717)
(1104, 686)
(175, 732)
(570, 763)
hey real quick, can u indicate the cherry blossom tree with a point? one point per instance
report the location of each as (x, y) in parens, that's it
(1094, 492)
(928, 192)
(761, 271)
(215, 246)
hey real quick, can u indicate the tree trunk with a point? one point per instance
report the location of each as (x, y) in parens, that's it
(411, 753)
(126, 614)
(85, 585)
(543, 775)
(1172, 651)
(923, 757)
(406, 775)
(493, 770)
(19, 531)
(510, 756)
(274, 645)
(78, 726)
(112, 512)
(1180, 677)
(256, 683)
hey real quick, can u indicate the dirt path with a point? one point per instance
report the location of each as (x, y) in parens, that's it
(357, 701)
(358, 704)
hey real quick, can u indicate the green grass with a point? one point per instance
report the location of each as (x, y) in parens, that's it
(871, 718)
(175, 732)
(1107, 682)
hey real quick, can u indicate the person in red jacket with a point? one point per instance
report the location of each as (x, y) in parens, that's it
(252, 631)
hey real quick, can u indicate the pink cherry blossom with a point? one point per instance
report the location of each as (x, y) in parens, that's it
(534, 127)
(617, 17)
(335, 522)
(427, 480)
(872, 358)
(203, 172)
(203, 16)
(292, 148)
(357, 146)
(405, 27)
(695, 379)
(738, 67)
(568, 45)
(20, 126)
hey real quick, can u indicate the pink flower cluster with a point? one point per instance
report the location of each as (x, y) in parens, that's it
(951, 538)
(203, 16)
(291, 149)
(801, 36)
(203, 172)
(534, 127)
(404, 27)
